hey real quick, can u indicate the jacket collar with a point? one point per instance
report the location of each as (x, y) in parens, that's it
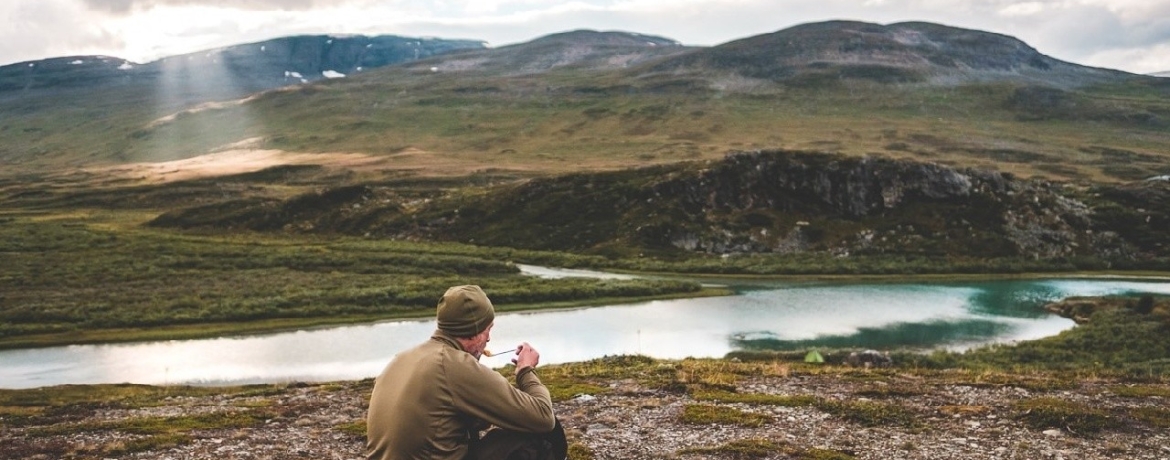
(447, 339)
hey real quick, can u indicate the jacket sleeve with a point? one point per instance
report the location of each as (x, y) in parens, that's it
(487, 395)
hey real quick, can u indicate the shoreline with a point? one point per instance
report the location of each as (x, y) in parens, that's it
(984, 359)
(712, 286)
(279, 325)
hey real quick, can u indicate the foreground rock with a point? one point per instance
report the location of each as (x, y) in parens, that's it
(806, 413)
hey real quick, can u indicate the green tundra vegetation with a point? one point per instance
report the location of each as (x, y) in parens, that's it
(64, 280)
(83, 278)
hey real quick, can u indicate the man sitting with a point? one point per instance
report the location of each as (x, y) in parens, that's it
(433, 400)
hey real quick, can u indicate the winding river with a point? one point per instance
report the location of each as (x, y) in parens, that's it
(761, 315)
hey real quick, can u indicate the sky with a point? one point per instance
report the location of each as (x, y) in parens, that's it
(1129, 35)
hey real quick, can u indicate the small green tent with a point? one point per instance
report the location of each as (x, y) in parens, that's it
(814, 357)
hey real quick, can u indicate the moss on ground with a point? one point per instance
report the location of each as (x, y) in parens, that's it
(762, 448)
(1078, 419)
(702, 414)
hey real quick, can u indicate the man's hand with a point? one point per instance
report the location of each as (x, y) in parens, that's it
(526, 356)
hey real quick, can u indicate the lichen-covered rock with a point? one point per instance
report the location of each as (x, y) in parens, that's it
(780, 202)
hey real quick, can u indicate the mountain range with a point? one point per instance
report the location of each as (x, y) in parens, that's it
(907, 140)
(910, 51)
(584, 97)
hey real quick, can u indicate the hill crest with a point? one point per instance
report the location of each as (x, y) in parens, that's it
(583, 49)
(594, 37)
(905, 52)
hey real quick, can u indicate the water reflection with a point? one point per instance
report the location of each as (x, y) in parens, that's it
(1024, 298)
(913, 335)
(778, 316)
(1020, 299)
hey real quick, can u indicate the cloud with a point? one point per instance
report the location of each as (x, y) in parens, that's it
(1144, 60)
(1120, 34)
(123, 7)
(50, 28)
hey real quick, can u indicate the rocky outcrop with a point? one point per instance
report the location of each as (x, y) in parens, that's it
(773, 202)
(848, 187)
(791, 202)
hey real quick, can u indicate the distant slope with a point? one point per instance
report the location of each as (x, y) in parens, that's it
(560, 103)
(588, 100)
(1161, 74)
(906, 52)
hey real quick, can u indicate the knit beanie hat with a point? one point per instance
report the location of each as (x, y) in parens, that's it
(465, 311)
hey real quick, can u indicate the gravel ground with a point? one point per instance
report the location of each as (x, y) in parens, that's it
(630, 421)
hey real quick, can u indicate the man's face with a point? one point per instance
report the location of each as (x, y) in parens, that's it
(480, 341)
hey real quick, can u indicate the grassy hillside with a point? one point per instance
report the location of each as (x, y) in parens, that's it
(562, 122)
(567, 103)
(88, 278)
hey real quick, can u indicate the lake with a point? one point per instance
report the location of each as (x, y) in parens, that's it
(762, 315)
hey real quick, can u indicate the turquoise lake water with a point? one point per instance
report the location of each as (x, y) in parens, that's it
(762, 315)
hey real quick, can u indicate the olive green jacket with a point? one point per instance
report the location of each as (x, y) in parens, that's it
(432, 399)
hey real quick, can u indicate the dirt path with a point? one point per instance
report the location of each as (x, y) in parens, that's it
(234, 161)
